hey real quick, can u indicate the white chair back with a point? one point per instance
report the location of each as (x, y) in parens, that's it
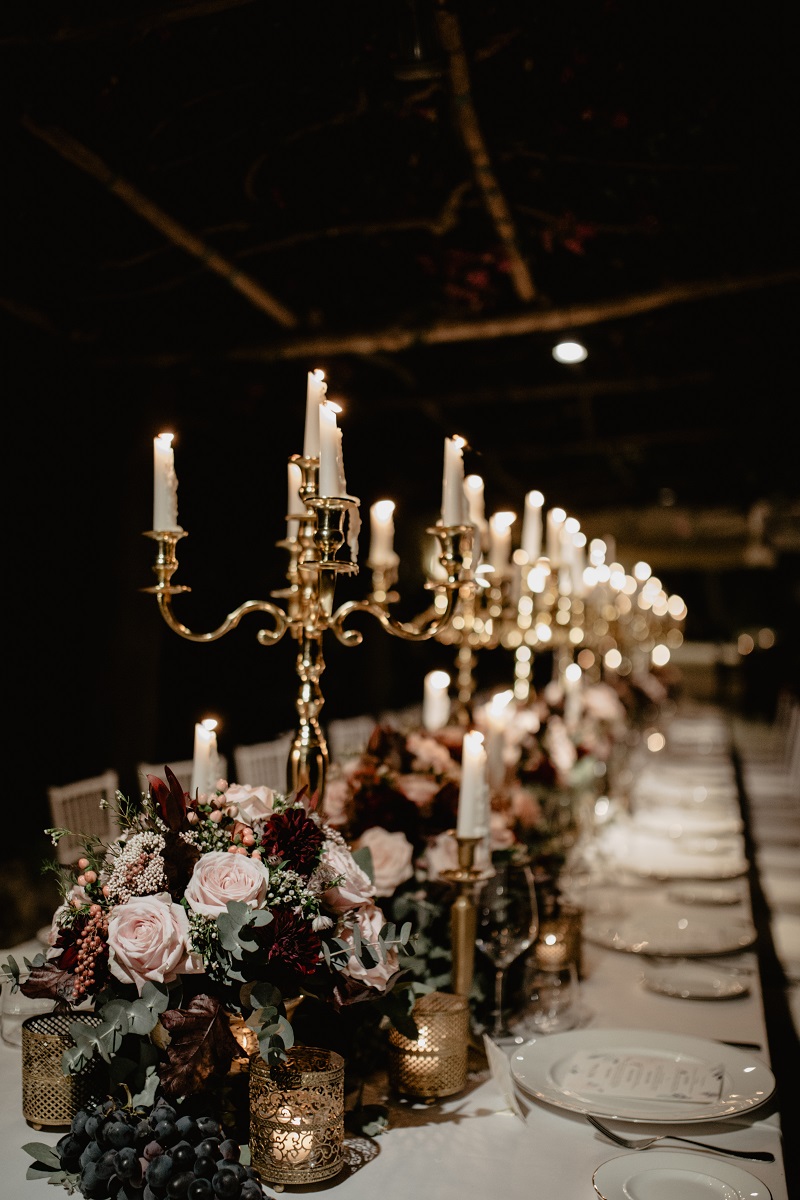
(349, 736)
(86, 808)
(264, 763)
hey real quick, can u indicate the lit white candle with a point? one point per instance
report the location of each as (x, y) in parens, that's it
(381, 524)
(293, 502)
(453, 481)
(204, 763)
(165, 485)
(474, 491)
(497, 717)
(473, 815)
(436, 701)
(578, 564)
(572, 695)
(531, 541)
(330, 475)
(500, 543)
(315, 394)
(555, 519)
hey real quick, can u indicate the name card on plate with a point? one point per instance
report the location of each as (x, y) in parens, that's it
(643, 1077)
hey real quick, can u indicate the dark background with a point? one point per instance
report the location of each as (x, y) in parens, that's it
(641, 150)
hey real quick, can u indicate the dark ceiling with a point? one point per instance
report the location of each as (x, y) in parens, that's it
(212, 197)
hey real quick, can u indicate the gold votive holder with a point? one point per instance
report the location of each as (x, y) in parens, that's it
(434, 1064)
(50, 1099)
(297, 1116)
(560, 938)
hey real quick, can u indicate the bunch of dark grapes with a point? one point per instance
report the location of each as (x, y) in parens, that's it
(132, 1154)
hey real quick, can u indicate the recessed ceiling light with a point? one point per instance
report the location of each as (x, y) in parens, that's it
(569, 352)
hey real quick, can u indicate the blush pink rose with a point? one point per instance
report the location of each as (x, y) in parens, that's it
(336, 802)
(219, 877)
(501, 836)
(430, 755)
(370, 920)
(148, 938)
(354, 886)
(441, 854)
(392, 855)
(252, 803)
(419, 789)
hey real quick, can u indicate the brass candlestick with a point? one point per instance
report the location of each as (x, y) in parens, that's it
(308, 604)
(463, 914)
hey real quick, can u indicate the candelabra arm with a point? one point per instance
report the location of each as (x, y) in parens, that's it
(411, 632)
(265, 636)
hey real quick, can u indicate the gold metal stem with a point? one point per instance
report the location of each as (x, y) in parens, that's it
(463, 914)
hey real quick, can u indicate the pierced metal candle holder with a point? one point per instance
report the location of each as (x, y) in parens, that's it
(50, 1099)
(434, 1064)
(297, 1116)
(308, 611)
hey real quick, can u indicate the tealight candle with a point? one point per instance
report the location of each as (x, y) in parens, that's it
(436, 701)
(165, 485)
(381, 547)
(473, 817)
(315, 394)
(204, 763)
(453, 481)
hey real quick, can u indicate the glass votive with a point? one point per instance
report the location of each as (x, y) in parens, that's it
(560, 937)
(297, 1116)
(434, 1064)
(50, 1099)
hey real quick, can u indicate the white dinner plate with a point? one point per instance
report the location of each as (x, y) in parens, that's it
(706, 893)
(689, 980)
(670, 933)
(682, 822)
(676, 1175)
(542, 1068)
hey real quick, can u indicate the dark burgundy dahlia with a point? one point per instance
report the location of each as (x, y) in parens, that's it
(294, 838)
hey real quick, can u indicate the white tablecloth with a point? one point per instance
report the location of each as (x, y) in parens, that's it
(471, 1145)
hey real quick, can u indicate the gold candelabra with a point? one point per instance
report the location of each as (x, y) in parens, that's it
(463, 913)
(308, 611)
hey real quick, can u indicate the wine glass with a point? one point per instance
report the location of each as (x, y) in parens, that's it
(507, 925)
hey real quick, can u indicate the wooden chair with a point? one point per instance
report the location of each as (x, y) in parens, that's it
(264, 763)
(85, 807)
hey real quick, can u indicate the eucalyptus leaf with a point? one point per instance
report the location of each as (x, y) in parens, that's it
(35, 1172)
(47, 1155)
(363, 856)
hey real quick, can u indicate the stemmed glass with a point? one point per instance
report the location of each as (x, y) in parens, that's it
(507, 925)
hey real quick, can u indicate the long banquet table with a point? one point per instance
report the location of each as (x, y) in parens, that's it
(472, 1144)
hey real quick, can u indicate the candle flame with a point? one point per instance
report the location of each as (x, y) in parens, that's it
(536, 499)
(383, 509)
(439, 680)
(318, 373)
(459, 440)
(474, 483)
(557, 515)
(166, 438)
(504, 520)
(332, 405)
(573, 673)
(209, 723)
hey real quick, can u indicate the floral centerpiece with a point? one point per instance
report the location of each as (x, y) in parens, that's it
(194, 933)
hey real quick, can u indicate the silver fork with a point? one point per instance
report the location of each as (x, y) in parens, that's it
(643, 1143)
